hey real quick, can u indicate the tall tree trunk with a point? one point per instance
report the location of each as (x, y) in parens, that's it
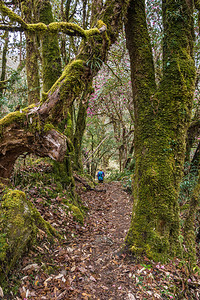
(32, 68)
(189, 228)
(161, 123)
(51, 61)
(3, 63)
(79, 131)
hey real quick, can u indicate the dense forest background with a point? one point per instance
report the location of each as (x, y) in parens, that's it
(113, 85)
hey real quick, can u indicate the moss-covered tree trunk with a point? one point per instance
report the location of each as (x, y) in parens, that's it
(51, 61)
(161, 122)
(189, 228)
(4, 60)
(32, 67)
(80, 128)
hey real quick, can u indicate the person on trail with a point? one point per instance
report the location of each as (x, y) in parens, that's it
(100, 176)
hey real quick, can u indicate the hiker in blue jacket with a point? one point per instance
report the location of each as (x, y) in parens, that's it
(100, 176)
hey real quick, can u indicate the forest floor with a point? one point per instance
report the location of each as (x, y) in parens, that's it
(90, 263)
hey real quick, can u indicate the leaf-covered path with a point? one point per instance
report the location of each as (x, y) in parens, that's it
(109, 220)
(90, 265)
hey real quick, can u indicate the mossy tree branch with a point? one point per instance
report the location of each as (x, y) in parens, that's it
(70, 29)
(29, 130)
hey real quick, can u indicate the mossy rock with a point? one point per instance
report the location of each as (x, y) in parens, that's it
(19, 223)
(18, 230)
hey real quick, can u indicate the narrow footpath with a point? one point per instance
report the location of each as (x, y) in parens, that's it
(109, 220)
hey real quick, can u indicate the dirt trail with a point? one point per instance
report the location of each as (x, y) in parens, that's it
(109, 219)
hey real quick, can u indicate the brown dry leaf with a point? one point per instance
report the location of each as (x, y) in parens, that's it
(92, 278)
(55, 291)
(104, 287)
(40, 249)
(82, 270)
(73, 269)
(115, 262)
(31, 267)
(86, 296)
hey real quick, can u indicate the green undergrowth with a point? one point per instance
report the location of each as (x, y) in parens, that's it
(41, 207)
(20, 222)
(187, 186)
(88, 179)
(36, 178)
(126, 177)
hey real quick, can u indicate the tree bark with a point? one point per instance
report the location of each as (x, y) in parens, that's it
(161, 123)
(79, 132)
(51, 61)
(18, 135)
(32, 68)
(189, 228)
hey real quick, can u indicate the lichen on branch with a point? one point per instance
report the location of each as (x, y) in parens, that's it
(70, 29)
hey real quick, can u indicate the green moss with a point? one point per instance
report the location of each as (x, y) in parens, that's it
(44, 225)
(45, 12)
(38, 27)
(77, 213)
(73, 67)
(69, 84)
(68, 131)
(19, 222)
(100, 24)
(91, 32)
(3, 247)
(48, 126)
(51, 61)
(12, 117)
(28, 108)
(18, 117)
(63, 172)
(13, 17)
(17, 229)
(44, 97)
(161, 122)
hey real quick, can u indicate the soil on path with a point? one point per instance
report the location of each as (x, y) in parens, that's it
(109, 219)
(90, 265)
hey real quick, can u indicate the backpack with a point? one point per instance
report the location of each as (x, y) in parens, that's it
(100, 175)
